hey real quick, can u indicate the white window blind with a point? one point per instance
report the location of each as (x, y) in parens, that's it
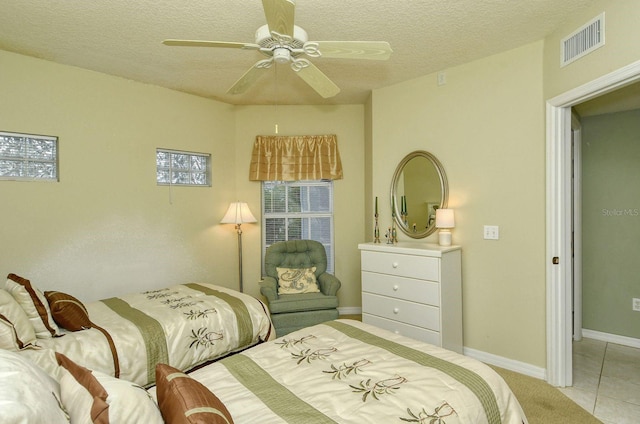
(298, 210)
(28, 157)
(183, 168)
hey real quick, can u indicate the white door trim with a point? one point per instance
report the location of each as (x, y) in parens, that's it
(576, 130)
(558, 218)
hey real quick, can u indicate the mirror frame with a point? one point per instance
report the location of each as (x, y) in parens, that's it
(444, 188)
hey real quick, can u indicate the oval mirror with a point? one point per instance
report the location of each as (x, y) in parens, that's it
(419, 187)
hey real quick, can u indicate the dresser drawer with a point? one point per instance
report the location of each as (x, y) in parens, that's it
(418, 333)
(421, 267)
(418, 291)
(401, 310)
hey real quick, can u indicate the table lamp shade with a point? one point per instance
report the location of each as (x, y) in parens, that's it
(444, 221)
(444, 218)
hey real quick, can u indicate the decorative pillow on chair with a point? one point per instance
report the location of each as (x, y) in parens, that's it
(94, 397)
(28, 394)
(297, 280)
(68, 311)
(16, 332)
(34, 304)
(184, 400)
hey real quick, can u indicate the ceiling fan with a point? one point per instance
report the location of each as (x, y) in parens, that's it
(283, 42)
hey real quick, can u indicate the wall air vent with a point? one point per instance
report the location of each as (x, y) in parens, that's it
(583, 41)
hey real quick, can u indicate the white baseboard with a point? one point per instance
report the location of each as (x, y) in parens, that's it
(350, 310)
(487, 358)
(506, 363)
(611, 338)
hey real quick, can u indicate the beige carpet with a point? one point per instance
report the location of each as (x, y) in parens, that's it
(543, 403)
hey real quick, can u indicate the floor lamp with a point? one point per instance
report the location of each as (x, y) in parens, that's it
(238, 214)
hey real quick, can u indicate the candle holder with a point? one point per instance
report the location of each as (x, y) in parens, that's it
(376, 231)
(394, 233)
(388, 236)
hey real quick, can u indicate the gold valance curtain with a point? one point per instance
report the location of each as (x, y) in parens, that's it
(293, 158)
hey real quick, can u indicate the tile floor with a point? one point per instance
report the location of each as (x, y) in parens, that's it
(606, 381)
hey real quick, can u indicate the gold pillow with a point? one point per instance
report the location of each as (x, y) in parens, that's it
(183, 400)
(297, 280)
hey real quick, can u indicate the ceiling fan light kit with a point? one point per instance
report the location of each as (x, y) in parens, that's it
(283, 42)
(281, 55)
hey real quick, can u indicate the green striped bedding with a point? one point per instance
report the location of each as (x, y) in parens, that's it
(182, 325)
(348, 372)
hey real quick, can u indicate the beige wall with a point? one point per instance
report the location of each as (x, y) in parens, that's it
(486, 125)
(621, 47)
(106, 227)
(347, 122)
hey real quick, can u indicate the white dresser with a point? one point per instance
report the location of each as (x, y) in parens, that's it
(414, 289)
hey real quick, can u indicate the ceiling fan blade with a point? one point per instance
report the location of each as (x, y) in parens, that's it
(280, 15)
(246, 80)
(199, 43)
(318, 81)
(372, 50)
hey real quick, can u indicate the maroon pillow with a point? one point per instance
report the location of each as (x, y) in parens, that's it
(68, 311)
(183, 400)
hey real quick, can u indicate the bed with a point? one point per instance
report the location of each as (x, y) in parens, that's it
(346, 371)
(183, 325)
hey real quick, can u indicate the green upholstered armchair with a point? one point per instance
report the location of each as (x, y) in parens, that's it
(290, 312)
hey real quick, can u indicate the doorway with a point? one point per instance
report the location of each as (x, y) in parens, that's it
(559, 188)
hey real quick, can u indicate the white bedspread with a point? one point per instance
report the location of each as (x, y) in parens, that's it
(349, 372)
(182, 325)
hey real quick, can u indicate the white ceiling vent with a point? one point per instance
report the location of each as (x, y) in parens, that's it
(583, 41)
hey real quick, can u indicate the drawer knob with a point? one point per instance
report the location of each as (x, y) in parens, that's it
(395, 264)
(395, 287)
(396, 310)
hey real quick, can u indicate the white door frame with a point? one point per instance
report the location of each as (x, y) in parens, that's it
(558, 221)
(576, 133)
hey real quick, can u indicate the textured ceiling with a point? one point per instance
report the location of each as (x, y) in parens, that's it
(124, 38)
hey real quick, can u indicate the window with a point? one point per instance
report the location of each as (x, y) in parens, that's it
(183, 168)
(297, 210)
(28, 157)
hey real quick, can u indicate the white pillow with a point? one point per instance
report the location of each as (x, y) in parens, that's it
(34, 304)
(27, 394)
(16, 332)
(84, 393)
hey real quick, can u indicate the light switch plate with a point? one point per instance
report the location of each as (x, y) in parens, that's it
(491, 232)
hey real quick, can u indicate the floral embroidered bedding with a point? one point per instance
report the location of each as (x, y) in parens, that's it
(348, 372)
(182, 325)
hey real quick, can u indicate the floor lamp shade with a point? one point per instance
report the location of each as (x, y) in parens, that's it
(238, 214)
